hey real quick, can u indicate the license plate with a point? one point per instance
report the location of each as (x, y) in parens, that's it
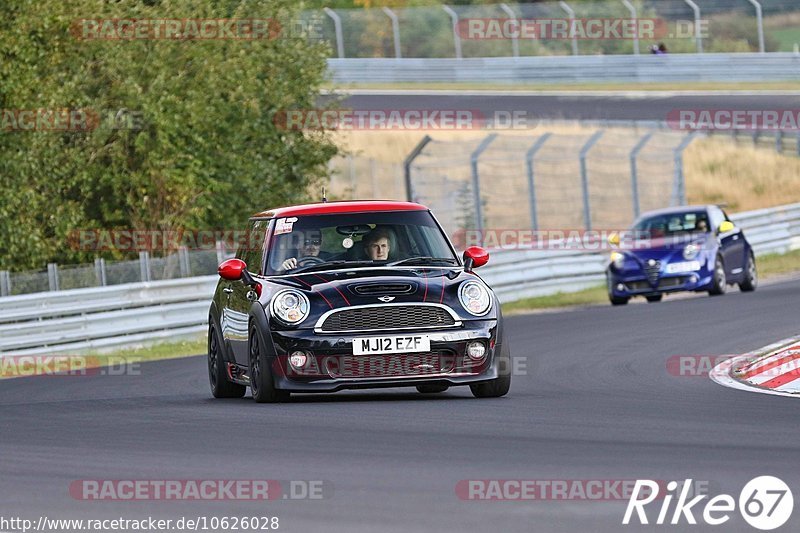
(686, 266)
(391, 344)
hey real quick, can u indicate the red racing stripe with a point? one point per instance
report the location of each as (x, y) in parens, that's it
(425, 296)
(335, 287)
(444, 281)
(320, 293)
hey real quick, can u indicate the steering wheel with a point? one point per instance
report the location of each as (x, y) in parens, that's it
(310, 260)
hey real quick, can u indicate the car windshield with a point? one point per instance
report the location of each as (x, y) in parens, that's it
(321, 242)
(673, 223)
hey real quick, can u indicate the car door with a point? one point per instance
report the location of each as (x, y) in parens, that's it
(242, 296)
(731, 244)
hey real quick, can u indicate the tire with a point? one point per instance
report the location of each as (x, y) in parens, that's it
(500, 385)
(262, 383)
(654, 298)
(750, 275)
(719, 283)
(432, 388)
(221, 386)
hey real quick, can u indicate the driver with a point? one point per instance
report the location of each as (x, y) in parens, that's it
(377, 244)
(312, 242)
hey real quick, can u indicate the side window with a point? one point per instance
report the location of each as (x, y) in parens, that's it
(717, 217)
(251, 250)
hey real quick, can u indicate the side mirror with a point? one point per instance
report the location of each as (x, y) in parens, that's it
(726, 226)
(232, 269)
(475, 257)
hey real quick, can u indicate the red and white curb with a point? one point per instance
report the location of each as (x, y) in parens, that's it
(773, 369)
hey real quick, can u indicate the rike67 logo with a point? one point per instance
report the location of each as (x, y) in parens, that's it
(765, 503)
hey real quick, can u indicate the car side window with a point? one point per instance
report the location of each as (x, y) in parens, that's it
(251, 250)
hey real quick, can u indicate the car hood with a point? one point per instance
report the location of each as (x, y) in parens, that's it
(669, 250)
(376, 286)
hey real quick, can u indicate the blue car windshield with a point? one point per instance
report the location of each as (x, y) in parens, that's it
(673, 223)
(407, 238)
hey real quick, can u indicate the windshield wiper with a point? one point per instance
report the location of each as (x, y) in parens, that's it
(424, 260)
(330, 264)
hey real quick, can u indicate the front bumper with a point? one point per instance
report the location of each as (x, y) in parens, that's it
(637, 283)
(332, 365)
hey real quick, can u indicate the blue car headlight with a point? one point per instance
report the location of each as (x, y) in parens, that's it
(690, 251)
(617, 259)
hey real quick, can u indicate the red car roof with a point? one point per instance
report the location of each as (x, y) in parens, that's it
(352, 206)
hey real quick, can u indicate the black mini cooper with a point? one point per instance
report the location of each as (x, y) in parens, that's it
(353, 295)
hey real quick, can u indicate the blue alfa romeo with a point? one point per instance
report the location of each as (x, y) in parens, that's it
(689, 248)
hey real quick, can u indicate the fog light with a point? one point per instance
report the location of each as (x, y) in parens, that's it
(476, 350)
(298, 359)
(693, 278)
(620, 287)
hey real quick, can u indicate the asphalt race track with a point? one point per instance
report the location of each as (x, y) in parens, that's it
(640, 105)
(597, 402)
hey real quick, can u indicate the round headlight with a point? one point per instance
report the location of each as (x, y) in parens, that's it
(475, 298)
(617, 259)
(691, 251)
(290, 306)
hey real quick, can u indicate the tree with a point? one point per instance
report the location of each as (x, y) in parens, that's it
(195, 144)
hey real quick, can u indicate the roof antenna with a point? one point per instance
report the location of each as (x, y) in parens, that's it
(324, 198)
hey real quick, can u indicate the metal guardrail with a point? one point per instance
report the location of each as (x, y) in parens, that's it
(776, 66)
(106, 317)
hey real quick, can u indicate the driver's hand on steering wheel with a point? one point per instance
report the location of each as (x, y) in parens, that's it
(289, 264)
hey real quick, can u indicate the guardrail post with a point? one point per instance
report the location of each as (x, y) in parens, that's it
(697, 35)
(144, 265)
(456, 36)
(395, 31)
(5, 283)
(529, 157)
(760, 22)
(220, 247)
(587, 212)
(183, 262)
(52, 276)
(407, 166)
(476, 180)
(779, 141)
(679, 186)
(571, 14)
(634, 172)
(100, 271)
(632, 10)
(337, 28)
(514, 37)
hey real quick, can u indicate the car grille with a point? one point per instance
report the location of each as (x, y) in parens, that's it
(387, 317)
(652, 271)
(384, 366)
(664, 283)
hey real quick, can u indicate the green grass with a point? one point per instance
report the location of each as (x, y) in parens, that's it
(786, 37)
(678, 86)
(769, 266)
(161, 350)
